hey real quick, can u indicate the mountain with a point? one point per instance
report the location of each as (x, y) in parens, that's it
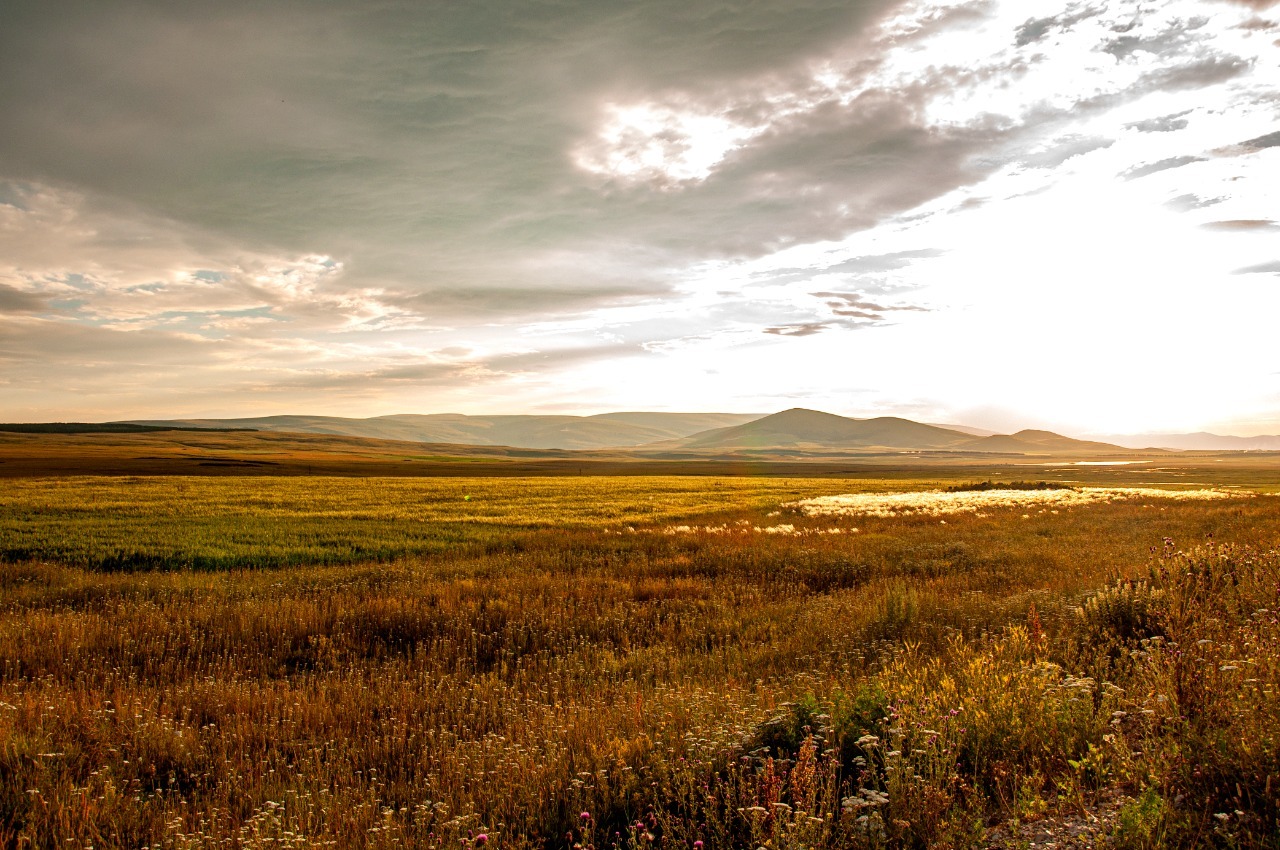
(795, 430)
(800, 428)
(1201, 441)
(1037, 442)
(606, 430)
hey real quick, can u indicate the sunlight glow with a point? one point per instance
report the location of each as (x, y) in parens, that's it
(661, 144)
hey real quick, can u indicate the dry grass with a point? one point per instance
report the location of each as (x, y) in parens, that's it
(900, 686)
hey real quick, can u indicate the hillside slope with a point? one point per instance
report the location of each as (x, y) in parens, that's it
(1038, 442)
(607, 430)
(802, 428)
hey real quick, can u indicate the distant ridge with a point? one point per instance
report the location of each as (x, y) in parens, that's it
(1031, 441)
(802, 428)
(602, 431)
(1200, 441)
(97, 428)
(798, 430)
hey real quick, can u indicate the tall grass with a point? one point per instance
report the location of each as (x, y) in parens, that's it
(885, 687)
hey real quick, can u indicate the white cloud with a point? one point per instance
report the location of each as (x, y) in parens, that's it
(967, 206)
(659, 144)
(1054, 281)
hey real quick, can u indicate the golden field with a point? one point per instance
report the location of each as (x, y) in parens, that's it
(632, 662)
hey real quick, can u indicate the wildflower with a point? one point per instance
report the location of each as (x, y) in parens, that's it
(482, 839)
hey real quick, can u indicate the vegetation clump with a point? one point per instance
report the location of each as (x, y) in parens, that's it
(982, 486)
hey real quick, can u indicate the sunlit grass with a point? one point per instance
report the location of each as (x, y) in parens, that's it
(128, 523)
(901, 686)
(944, 503)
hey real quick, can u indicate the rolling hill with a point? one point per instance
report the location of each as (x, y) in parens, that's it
(812, 430)
(800, 428)
(607, 430)
(790, 431)
(1033, 442)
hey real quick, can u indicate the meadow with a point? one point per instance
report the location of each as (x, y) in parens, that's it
(631, 662)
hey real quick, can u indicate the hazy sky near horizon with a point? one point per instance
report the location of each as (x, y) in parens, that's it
(1005, 213)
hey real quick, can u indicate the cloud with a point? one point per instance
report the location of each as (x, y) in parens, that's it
(1254, 4)
(291, 198)
(802, 329)
(1163, 124)
(1188, 202)
(1199, 74)
(420, 147)
(13, 300)
(1062, 149)
(1037, 28)
(44, 356)
(1261, 268)
(442, 369)
(1270, 140)
(1161, 165)
(1258, 23)
(855, 305)
(1242, 224)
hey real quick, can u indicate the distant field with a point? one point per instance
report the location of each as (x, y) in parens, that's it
(170, 522)
(230, 454)
(257, 661)
(129, 523)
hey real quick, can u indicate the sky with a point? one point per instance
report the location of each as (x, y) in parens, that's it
(1002, 213)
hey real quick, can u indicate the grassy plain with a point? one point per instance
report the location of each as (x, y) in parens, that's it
(375, 662)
